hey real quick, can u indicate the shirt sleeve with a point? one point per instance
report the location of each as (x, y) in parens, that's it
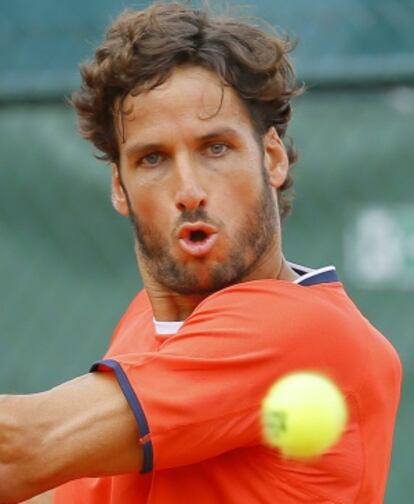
(200, 394)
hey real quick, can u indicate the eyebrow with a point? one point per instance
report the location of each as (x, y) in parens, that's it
(135, 147)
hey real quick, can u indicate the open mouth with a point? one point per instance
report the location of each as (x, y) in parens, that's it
(197, 239)
(198, 235)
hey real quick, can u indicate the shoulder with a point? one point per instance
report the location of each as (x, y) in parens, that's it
(299, 327)
(268, 310)
(269, 301)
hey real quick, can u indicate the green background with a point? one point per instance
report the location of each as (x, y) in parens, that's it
(67, 267)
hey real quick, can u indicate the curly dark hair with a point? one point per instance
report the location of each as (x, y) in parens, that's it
(141, 49)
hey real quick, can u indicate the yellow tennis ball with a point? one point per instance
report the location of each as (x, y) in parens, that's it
(303, 414)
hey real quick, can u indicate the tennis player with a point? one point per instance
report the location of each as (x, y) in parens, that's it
(191, 111)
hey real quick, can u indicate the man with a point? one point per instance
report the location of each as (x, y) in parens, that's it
(191, 111)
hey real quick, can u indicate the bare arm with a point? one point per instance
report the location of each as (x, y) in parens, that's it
(45, 498)
(83, 428)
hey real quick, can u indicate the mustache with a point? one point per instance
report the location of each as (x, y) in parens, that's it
(197, 215)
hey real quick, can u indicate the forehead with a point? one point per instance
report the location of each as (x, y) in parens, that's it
(192, 98)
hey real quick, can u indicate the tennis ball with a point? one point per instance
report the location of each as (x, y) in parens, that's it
(303, 414)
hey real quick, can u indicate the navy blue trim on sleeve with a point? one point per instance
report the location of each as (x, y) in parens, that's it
(135, 406)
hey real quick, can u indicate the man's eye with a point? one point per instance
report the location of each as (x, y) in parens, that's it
(152, 159)
(217, 149)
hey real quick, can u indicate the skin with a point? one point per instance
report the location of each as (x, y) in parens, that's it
(189, 148)
(207, 163)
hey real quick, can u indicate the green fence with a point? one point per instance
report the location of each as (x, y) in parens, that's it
(67, 267)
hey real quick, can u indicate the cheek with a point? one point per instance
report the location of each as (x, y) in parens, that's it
(241, 191)
(149, 205)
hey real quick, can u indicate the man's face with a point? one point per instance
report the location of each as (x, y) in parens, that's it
(195, 182)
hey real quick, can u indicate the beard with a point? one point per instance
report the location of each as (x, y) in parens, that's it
(248, 246)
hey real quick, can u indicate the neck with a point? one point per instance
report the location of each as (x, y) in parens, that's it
(172, 306)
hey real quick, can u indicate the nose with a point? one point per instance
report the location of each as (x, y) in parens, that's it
(190, 193)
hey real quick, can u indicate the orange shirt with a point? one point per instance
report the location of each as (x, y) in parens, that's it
(196, 396)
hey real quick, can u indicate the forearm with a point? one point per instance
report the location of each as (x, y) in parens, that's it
(18, 447)
(80, 429)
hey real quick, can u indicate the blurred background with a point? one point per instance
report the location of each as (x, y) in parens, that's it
(67, 269)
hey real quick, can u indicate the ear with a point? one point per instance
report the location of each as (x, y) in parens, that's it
(275, 158)
(118, 196)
